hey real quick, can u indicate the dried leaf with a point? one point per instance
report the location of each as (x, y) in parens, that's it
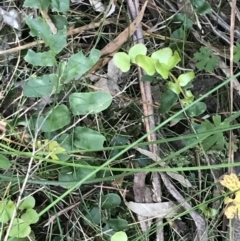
(159, 210)
(11, 18)
(180, 178)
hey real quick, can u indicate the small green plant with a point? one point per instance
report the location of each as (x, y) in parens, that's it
(206, 60)
(25, 216)
(162, 62)
(60, 116)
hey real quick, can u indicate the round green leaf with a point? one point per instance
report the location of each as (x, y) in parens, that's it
(57, 119)
(174, 87)
(89, 103)
(28, 202)
(146, 63)
(167, 101)
(136, 50)
(7, 209)
(162, 55)
(119, 236)
(117, 224)
(69, 174)
(30, 216)
(88, 139)
(94, 216)
(19, 229)
(162, 69)
(4, 162)
(44, 85)
(110, 201)
(122, 61)
(196, 109)
(174, 60)
(184, 79)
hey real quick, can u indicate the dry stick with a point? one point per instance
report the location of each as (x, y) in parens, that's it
(69, 32)
(139, 178)
(232, 235)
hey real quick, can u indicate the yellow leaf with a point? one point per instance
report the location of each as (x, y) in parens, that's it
(52, 147)
(231, 182)
(230, 212)
(228, 200)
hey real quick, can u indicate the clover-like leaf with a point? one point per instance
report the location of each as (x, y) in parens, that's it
(162, 69)
(174, 87)
(28, 202)
(162, 55)
(185, 78)
(119, 236)
(136, 50)
(122, 61)
(174, 60)
(19, 229)
(146, 63)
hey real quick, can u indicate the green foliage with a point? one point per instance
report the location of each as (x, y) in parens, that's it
(70, 174)
(25, 216)
(4, 162)
(202, 7)
(110, 201)
(54, 119)
(236, 53)
(119, 236)
(117, 224)
(162, 61)
(92, 102)
(217, 140)
(206, 60)
(88, 139)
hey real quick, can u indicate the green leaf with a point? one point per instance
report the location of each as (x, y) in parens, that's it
(94, 216)
(56, 119)
(117, 224)
(69, 174)
(162, 69)
(78, 64)
(19, 229)
(43, 4)
(110, 201)
(168, 99)
(4, 162)
(146, 63)
(30, 216)
(196, 109)
(174, 87)
(44, 85)
(28, 202)
(119, 236)
(174, 60)
(236, 53)
(40, 28)
(66, 142)
(40, 59)
(162, 55)
(184, 79)
(216, 141)
(88, 139)
(136, 50)
(182, 17)
(202, 7)
(60, 5)
(89, 103)
(206, 60)
(122, 61)
(7, 209)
